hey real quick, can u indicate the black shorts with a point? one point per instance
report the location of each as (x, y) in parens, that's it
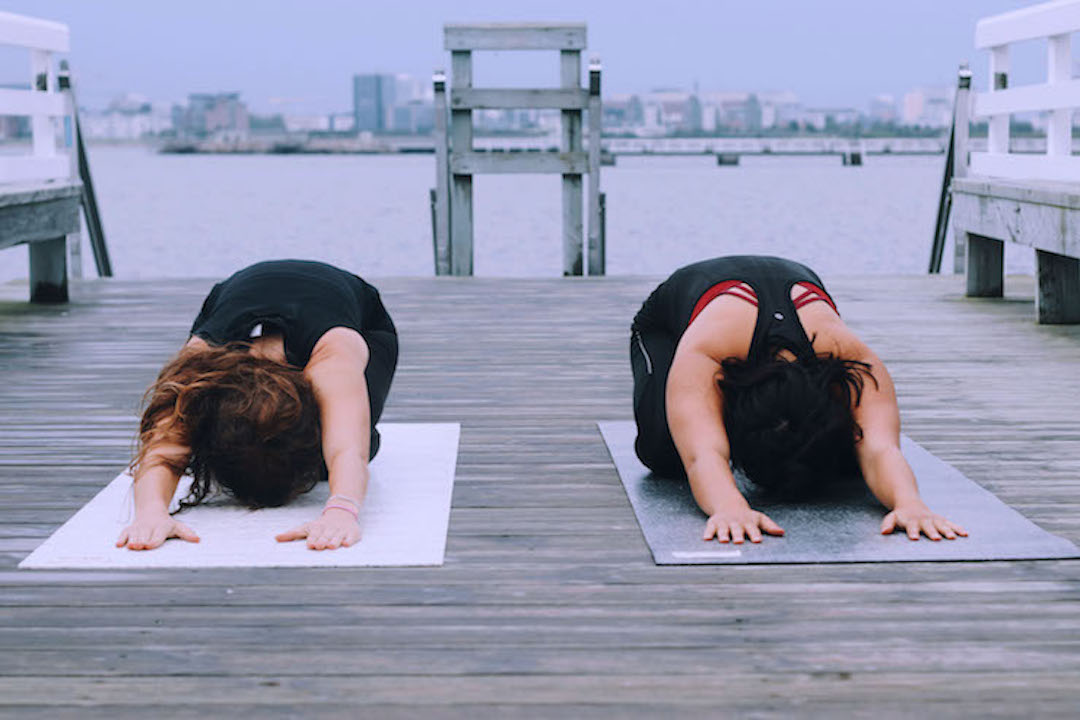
(651, 354)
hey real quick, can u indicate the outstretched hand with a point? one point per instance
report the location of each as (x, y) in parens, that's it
(919, 519)
(737, 524)
(147, 533)
(333, 529)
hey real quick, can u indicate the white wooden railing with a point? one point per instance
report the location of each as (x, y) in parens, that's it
(44, 102)
(1060, 94)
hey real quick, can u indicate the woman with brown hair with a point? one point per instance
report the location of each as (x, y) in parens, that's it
(744, 362)
(279, 386)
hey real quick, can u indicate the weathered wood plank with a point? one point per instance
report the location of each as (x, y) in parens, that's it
(512, 98)
(548, 597)
(475, 163)
(515, 36)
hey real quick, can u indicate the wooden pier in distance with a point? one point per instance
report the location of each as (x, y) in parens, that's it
(549, 604)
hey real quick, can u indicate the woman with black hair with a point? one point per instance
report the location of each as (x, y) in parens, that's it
(744, 362)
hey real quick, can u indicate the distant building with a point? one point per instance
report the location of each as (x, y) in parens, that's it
(306, 123)
(622, 113)
(415, 117)
(128, 117)
(830, 118)
(373, 101)
(928, 107)
(883, 110)
(218, 115)
(342, 122)
(748, 112)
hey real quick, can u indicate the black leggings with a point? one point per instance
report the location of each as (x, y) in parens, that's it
(382, 342)
(651, 354)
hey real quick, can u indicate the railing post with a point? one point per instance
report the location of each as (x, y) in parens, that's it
(961, 158)
(596, 245)
(997, 140)
(441, 224)
(461, 214)
(570, 62)
(42, 80)
(1059, 70)
(74, 240)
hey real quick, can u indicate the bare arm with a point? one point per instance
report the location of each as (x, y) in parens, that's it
(696, 420)
(883, 466)
(336, 372)
(154, 486)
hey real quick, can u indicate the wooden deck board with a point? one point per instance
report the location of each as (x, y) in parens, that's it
(549, 603)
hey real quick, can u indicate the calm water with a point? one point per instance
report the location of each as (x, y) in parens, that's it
(206, 215)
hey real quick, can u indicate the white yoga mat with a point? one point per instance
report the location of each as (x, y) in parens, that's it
(403, 521)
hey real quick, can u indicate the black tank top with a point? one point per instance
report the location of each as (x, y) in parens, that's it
(671, 305)
(300, 299)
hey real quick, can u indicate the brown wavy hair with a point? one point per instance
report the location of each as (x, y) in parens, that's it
(251, 425)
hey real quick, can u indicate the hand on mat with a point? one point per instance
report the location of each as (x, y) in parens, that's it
(333, 529)
(146, 533)
(916, 519)
(738, 523)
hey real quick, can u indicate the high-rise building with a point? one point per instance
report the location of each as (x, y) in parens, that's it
(374, 97)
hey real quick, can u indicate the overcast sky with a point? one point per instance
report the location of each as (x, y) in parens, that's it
(293, 56)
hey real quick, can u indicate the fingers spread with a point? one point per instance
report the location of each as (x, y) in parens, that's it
(722, 532)
(318, 539)
(753, 533)
(157, 537)
(183, 532)
(927, 526)
(297, 533)
(710, 529)
(769, 526)
(888, 524)
(737, 533)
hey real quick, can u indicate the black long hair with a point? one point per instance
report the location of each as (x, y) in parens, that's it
(790, 425)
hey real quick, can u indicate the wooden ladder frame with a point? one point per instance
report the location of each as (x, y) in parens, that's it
(456, 160)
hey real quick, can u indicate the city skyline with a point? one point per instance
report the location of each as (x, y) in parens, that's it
(833, 54)
(398, 104)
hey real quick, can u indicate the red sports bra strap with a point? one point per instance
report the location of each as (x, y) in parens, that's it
(729, 287)
(812, 293)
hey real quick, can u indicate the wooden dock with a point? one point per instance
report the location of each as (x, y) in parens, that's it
(549, 604)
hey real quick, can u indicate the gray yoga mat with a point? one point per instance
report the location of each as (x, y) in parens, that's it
(840, 530)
